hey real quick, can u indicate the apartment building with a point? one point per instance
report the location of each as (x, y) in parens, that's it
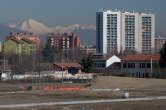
(21, 43)
(63, 41)
(118, 31)
(159, 42)
(28, 36)
(15, 46)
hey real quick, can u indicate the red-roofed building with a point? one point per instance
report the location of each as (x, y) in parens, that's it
(72, 68)
(141, 57)
(26, 36)
(16, 44)
(139, 65)
(101, 63)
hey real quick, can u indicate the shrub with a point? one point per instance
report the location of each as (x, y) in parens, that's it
(123, 75)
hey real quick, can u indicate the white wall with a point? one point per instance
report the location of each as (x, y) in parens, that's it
(112, 60)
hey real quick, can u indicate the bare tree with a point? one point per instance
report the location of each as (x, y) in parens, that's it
(19, 64)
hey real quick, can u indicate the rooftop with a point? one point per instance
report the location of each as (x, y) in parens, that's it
(124, 11)
(28, 41)
(141, 57)
(102, 57)
(107, 57)
(16, 40)
(68, 65)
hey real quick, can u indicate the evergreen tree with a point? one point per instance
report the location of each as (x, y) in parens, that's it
(49, 53)
(87, 64)
(163, 56)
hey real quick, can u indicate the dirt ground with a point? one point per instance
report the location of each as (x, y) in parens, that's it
(125, 82)
(56, 95)
(135, 86)
(10, 86)
(101, 82)
(135, 105)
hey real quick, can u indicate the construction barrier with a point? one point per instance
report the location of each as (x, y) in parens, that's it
(69, 88)
(49, 88)
(22, 88)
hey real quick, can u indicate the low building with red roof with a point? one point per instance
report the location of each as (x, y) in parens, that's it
(141, 57)
(139, 65)
(72, 68)
(103, 63)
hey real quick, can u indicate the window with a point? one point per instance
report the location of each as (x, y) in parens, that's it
(99, 65)
(129, 65)
(16, 49)
(32, 47)
(133, 65)
(31, 53)
(23, 49)
(124, 65)
(148, 65)
(142, 65)
(108, 14)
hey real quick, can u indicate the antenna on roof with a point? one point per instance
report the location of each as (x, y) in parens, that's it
(133, 11)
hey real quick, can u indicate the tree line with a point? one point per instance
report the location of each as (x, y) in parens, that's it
(43, 58)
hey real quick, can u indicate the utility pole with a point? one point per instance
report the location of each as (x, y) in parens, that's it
(151, 65)
(62, 64)
(4, 63)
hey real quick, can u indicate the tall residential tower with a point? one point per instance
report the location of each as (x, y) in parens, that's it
(117, 31)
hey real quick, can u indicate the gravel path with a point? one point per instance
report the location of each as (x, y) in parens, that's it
(82, 102)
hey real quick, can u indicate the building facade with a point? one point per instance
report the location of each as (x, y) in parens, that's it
(139, 65)
(159, 42)
(63, 41)
(15, 46)
(88, 51)
(118, 31)
(105, 61)
(73, 68)
(28, 47)
(106, 64)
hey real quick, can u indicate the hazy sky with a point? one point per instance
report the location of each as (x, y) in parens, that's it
(66, 12)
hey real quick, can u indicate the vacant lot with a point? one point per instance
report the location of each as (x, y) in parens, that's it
(125, 82)
(10, 86)
(135, 86)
